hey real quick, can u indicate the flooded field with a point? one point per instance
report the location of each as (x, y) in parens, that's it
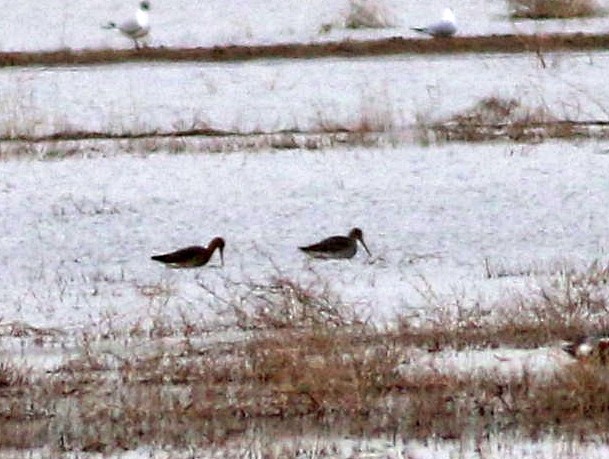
(313, 95)
(58, 24)
(79, 232)
(444, 342)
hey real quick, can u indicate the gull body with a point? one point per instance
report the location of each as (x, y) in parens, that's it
(445, 27)
(136, 28)
(193, 256)
(337, 247)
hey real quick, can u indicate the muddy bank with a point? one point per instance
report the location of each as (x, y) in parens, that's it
(397, 45)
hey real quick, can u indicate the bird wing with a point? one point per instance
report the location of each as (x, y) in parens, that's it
(133, 29)
(179, 256)
(420, 29)
(442, 29)
(331, 244)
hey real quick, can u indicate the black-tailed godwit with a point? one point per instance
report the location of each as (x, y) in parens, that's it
(193, 256)
(337, 247)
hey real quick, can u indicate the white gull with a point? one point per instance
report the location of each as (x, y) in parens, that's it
(445, 27)
(136, 28)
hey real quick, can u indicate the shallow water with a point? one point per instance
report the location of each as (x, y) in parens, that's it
(304, 94)
(55, 24)
(77, 234)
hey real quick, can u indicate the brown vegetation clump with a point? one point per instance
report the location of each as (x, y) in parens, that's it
(495, 118)
(302, 362)
(553, 9)
(371, 14)
(572, 305)
(11, 376)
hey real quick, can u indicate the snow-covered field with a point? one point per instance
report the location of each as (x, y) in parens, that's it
(505, 447)
(76, 234)
(55, 24)
(304, 94)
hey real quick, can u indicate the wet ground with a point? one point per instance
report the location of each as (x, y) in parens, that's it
(60, 24)
(388, 93)
(76, 234)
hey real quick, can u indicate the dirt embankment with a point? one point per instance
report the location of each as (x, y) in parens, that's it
(348, 48)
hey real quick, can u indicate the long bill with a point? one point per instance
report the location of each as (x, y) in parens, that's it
(365, 246)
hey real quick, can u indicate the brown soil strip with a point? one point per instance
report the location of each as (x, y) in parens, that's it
(348, 48)
(101, 135)
(447, 131)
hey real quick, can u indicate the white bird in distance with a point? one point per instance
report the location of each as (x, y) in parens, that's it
(445, 27)
(136, 28)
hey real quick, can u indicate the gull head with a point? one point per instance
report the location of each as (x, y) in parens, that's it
(448, 15)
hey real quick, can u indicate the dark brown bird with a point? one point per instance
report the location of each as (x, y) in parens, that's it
(193, 256)
(337, 247)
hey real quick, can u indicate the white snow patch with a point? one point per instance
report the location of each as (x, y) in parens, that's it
(77, 234)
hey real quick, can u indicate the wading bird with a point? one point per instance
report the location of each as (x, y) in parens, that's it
(337, 247)
(193, 256)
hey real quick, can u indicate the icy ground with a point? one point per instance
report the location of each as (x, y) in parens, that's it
(390, 93)
(504, 447)
(77, 234)
(56, 24)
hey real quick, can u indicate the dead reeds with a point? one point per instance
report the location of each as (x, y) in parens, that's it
(304, 361)
(495, 118)
(553, 9)
(370, 14)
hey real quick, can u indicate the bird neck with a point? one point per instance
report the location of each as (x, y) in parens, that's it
(448, 16)
(142, 17)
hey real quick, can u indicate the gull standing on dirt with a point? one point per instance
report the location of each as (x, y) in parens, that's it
(134, 28)
(445, 27)
(337, 247)
(193, 256)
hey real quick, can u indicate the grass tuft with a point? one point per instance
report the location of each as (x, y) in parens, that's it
(12, 376)
(368, 14)
(553, 9)
(285, 304)
(494, 118)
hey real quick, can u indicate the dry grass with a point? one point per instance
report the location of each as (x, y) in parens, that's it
(368, 14)
(11, 375)
(377, 122)
(553, 9)
(176, 144)
(369, 126)
(284, 304)
(494, 118)
(308, 363)
(372, 125)
(574, 303)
